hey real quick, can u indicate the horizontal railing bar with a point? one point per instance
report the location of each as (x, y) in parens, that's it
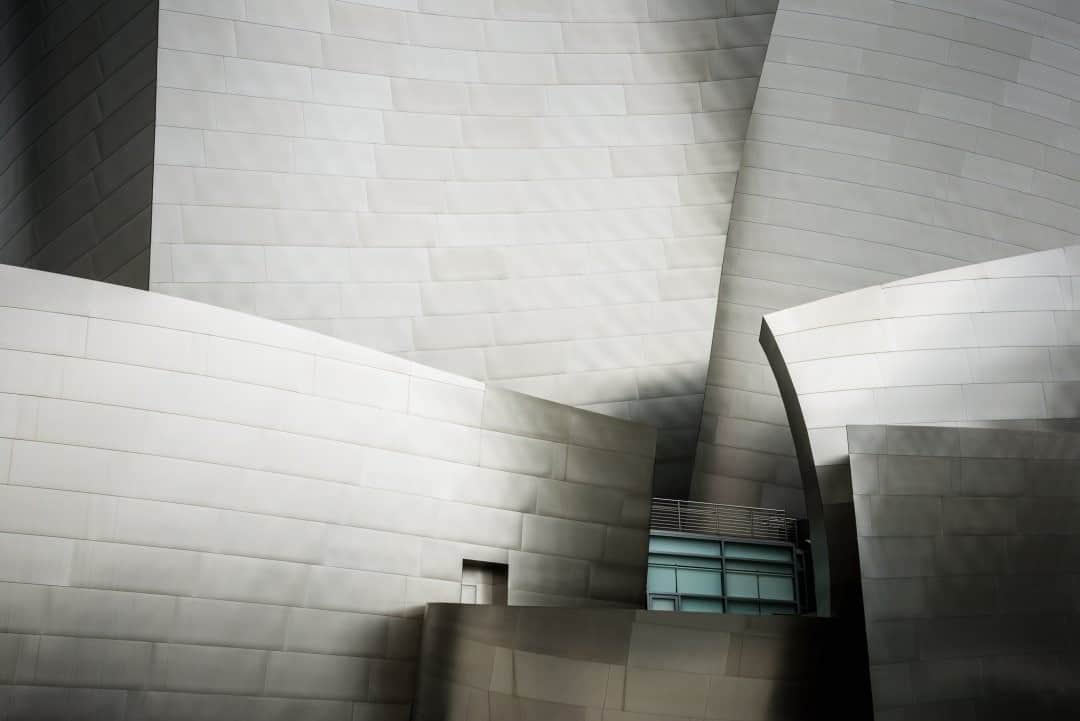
(755, 509)
(671, 514)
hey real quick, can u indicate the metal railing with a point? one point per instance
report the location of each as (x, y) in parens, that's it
(715, 519)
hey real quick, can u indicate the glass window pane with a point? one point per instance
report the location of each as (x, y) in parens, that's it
(661, 580)
(704, 583)
(777, 608)
(777, 588)
(661, 603)
(701, 605)
(746, 608)
(758, 552)
(657, 559)
(684, 546)
(741, 584)
(759, 567)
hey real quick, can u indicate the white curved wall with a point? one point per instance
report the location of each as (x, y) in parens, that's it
(532, 193)
(888, 139)
(209, 515)
(984, 344)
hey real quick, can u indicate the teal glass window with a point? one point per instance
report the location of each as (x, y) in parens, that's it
(701, 605)
(758, 552)
(699, 582)
(662, 603)
(661, 580)
(684, 546)
(721, 575)
(745, 608)
(776, 588)
(742, 585)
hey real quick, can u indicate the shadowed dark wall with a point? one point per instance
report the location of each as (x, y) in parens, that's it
(511, 663)
(77, 82)
(969, 547)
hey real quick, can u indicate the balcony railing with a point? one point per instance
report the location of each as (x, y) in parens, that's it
(716, 519)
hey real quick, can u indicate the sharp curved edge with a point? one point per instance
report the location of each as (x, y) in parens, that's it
(815, 510)
(991, 343)
(987, 344)
(912, 514)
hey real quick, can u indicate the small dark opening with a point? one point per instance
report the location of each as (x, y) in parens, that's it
(483, 583)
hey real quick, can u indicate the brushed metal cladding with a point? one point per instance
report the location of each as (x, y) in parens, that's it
(77, 81)
(985, 343)
(204, 514)
(531, 194)
(991, 344)
(969, 545)
(888, 139)
(513, 664)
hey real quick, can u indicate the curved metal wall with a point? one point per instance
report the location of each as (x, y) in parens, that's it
(968, 552)
(510, 664)
(989, 344)
(888, 139)
(533, 194)
(205, 514)
(986, 343)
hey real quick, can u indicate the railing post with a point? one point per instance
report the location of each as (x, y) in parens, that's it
(678, 516)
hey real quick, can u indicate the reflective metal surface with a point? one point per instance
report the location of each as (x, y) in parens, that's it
(888, 139)
(953, 543)
(987, 344)
(204, 514)
(519, 664)
(533, 194)
(969, 546)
